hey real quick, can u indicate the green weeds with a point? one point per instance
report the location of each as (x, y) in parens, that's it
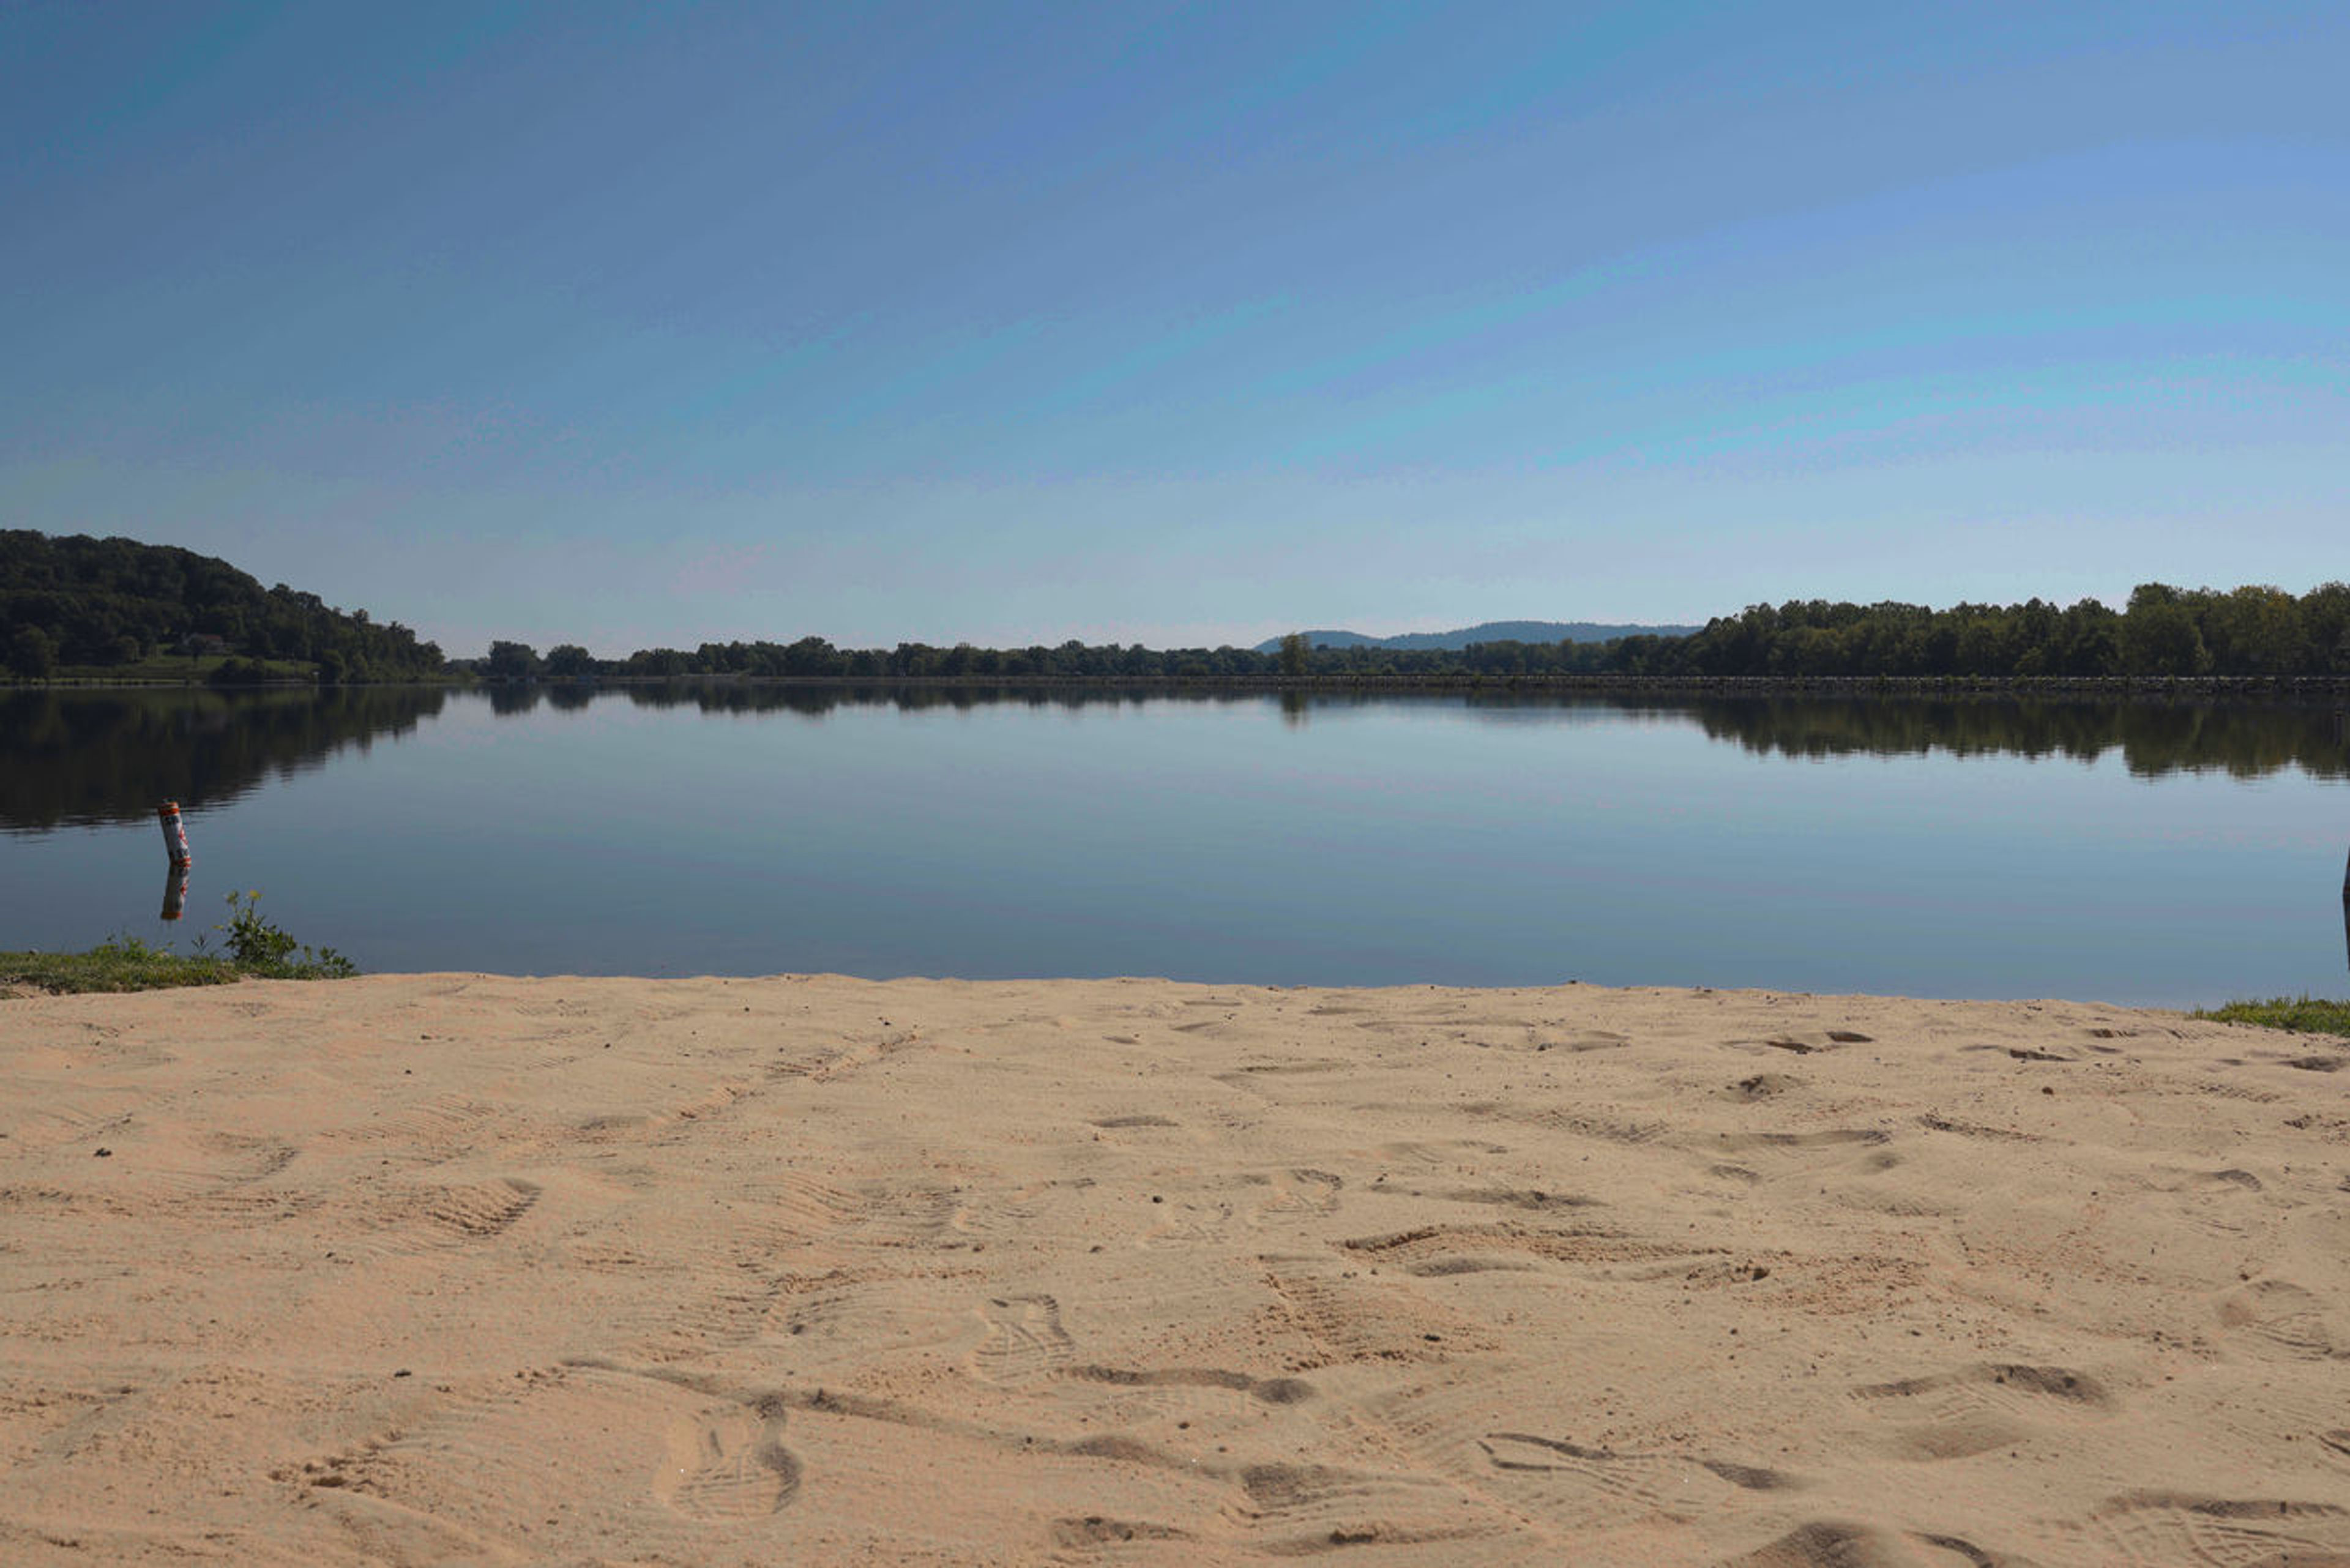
(257, 948)
(2301, 1014)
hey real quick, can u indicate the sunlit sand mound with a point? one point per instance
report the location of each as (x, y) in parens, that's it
(458, 1269)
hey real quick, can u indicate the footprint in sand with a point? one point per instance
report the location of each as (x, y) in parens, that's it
(1978, 1408)
(1301, 1191)
(1796, 1145)
(2281, 1318)
(728, 1463)
(1310, 1510)
(2157, 1527)
(1351, 1319)
(1600, 1251)
(1096, 1531)
(480, 1212)
(1793, 1045)
(1266, 1391)
(1834, 1543)
(1025, 1343)
(422, 1218)
(1594, 1485)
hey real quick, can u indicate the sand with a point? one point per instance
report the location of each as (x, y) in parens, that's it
(461, 1269)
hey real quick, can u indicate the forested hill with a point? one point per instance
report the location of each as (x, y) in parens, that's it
(118, 605)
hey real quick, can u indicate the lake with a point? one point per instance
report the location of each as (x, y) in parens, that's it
(2148, 853)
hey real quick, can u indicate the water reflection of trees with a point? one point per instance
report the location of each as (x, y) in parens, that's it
(816, 700)
(78, 757)
(2245, 739)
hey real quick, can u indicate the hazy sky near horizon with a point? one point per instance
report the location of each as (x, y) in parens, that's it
(636, 325)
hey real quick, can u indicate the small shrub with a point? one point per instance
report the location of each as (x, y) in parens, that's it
(236, 672)
(259, 945)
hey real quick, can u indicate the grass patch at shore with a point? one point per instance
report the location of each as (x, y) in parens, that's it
(120, 963)
(126, 963)
(257, 950)
(2301, 1014)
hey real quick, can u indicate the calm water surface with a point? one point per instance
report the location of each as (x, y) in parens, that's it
(2146, 854)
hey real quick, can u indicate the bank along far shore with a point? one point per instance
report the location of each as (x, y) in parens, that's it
(456, 1268)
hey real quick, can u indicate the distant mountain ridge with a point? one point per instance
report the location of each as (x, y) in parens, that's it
(1488, 631)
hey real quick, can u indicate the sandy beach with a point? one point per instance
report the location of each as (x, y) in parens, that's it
(460, 1269)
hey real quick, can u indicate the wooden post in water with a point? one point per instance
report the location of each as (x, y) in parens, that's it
(175, 837)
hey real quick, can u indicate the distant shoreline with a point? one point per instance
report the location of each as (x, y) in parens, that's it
(2190, 688)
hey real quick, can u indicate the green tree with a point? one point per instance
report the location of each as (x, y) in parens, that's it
(2090, 642)
(2325, 621)
(566, 660)
(32, 653)
(813, 656)
(2256, 630)
(2159, 635)
(1294, 654)
(512, 661)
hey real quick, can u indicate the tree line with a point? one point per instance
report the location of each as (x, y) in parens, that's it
(88, 604)
(816, 658)
(2162, 631)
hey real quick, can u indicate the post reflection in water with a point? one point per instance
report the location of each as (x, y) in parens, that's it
(175, 892)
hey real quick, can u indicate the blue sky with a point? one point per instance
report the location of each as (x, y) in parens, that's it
(634, 325)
